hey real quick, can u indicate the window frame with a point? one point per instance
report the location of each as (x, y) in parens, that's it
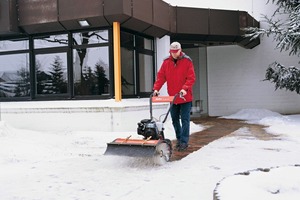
(136, 52)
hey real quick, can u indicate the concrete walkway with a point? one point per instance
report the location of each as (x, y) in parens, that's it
(216, 128)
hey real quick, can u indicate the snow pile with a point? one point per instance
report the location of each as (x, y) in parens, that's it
(5, 129)
(277, 183)
(276, 123)
(252, 114)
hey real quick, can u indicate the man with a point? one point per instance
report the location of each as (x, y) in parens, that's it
(177, 71)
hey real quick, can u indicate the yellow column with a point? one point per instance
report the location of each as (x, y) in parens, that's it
(117, 61)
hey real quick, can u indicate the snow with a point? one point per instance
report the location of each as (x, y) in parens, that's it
(252, 114)
(70, 164)
(276, 183)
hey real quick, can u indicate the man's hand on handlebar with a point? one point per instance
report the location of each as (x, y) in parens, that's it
(155, 93)
(182, 93)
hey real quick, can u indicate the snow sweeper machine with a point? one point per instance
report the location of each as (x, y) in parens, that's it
(154, 145)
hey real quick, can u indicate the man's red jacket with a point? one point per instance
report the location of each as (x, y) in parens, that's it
(179, 75)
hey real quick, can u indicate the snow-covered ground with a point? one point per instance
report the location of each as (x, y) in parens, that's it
(70, 164)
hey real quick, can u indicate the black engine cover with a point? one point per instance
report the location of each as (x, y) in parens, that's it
(148, 128)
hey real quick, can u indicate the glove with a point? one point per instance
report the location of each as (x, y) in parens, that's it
(155, 93)
(183, 92)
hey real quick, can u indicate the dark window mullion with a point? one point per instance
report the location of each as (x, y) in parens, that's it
(70, 67)
(137, 72)
(32, 70)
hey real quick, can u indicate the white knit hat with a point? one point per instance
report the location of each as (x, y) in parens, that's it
(174, 47)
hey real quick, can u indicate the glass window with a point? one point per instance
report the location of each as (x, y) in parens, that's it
(51, 73)
(137, 64)
(145, 72)
(91, 71)
(144, 43)
(127, 40)
(51, 41)
(128, 72)
(13, 45)
(14, 75)
(56, 74)
(92, 37)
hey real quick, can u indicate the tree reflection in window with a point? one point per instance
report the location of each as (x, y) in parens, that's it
(59, 85)
(14, 75)
(91, 70)
(23, 83)
(53, 80)
(94, 81)
(90, 64)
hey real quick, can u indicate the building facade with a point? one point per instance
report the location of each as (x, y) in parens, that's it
(235, 75)
(57, 50)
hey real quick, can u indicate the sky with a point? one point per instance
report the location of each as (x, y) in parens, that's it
(69, 164)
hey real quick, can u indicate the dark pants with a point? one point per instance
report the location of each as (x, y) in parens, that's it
(182, 130)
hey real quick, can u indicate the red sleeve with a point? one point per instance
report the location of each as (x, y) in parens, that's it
(191, 78)
(160, 78)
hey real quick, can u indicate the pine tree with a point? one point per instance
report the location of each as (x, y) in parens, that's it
(88, 82)
(284, 26)
(101, 81)
(284, 77)
(59, 85)
(23, 84)
(41, 79)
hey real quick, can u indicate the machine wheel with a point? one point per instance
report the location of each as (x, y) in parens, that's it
(163, 153)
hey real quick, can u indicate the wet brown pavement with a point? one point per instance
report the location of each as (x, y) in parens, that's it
(215, 129)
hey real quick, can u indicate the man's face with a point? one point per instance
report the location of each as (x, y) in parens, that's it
(176, 55)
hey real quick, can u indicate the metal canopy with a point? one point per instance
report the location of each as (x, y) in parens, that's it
(151, 17)
(8, 18)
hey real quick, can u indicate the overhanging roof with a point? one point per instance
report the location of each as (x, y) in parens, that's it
(151, 17)
(206, 27)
